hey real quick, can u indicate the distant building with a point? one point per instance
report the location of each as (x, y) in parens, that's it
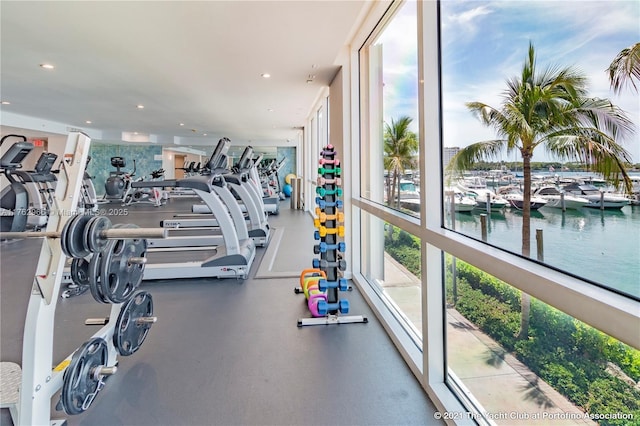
(448, 153)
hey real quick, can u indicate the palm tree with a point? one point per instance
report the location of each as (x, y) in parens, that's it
(400, 145)
(550, 108)
(625, 68)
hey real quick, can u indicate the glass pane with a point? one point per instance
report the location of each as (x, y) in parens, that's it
(498, 59)
(391, 262)
(390, 142)
(561, 371)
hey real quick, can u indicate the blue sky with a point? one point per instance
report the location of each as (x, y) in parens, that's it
(485, 42)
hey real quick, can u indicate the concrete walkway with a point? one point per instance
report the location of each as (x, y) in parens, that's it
(509, 392)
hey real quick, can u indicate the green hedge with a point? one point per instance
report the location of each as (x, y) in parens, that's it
(568, 354)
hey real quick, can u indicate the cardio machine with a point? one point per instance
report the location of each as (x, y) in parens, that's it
(14, 199)
(118, 184)
(244, 191)
(228, 256)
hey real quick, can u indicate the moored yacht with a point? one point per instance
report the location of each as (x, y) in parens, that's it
(597, 199)
(555, 197)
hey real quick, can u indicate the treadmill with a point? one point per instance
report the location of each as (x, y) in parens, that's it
(244, 190)
(229, 257)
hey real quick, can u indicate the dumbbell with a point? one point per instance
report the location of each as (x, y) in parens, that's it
(322, 181)
(323, 231)
(324, 264)
(324, 204)
(323, 217)
(328, 150)
(341, 284)
(324, 307)
(323, 171)
(322, 191)
(323, 247)
(335, 161)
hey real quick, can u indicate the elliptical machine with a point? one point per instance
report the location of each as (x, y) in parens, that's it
(118, 183)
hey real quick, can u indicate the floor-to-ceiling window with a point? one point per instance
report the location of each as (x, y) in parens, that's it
(546, 331)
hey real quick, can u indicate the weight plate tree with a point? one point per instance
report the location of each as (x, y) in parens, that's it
(326, 282)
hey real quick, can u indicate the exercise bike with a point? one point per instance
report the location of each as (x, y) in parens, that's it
(118, 184)
(155, 195)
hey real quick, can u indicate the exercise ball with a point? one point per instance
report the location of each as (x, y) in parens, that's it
(287, 178)
(287, 190)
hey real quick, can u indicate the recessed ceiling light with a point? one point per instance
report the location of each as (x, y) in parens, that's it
(135, 133)
(182, 124)
(265, 75)
(88, 121)
(5, 103)
(47, 66)
(270, 109)
(140, 106)
(204, 134)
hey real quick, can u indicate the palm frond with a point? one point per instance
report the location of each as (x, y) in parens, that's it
(479, 151)
(625, 68)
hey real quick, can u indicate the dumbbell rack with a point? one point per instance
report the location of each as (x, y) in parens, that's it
(329, 229)
(38, 380)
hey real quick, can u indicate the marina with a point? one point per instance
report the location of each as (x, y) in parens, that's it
(602, 246)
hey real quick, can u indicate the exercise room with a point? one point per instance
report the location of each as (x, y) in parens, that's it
(319, 213)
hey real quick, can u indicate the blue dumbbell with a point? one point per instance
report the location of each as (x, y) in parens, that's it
(324, 204)
(324, 307)
(341, 284)
(316, 235)
(343, 306)
(323, 247)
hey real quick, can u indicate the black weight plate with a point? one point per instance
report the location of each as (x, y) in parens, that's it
(128, 335)
(80, 271)
(119, 278)
(87, 228)
(79, 384)
(95, 242)
(64, 235)
(95, 266)
(75, 236)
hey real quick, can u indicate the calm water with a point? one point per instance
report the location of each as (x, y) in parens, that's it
(602, 246)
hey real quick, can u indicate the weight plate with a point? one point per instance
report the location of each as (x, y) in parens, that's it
(86, 230)
(80, 383)
(95, 242)
(95, 268)
(75, 236)
(80, 271)
(129, 333)
(64, 234)
(119, 278)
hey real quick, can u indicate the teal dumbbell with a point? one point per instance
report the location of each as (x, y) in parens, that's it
(324, 171)
(322, 192)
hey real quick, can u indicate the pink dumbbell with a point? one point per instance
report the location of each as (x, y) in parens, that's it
(335, 181)
(335, 162)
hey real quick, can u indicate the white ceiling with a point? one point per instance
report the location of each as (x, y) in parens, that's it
(196, 63)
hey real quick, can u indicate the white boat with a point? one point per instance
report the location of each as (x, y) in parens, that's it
(515, 197)
(482, 195)
(597, 199)
(461, 202)
(554, 198)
